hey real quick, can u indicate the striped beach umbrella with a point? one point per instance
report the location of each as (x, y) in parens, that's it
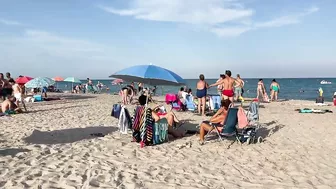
(40, 82)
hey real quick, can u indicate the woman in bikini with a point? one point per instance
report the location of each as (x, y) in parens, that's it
(201, 93)
(275, 89)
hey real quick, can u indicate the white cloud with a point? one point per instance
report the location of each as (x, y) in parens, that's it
(10, 22)
(230, 31)
(287, 20)
(214, 15)
(186, 11)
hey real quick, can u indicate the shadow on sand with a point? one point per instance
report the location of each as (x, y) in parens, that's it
(68, 135)
(77, 97)
(12, 151)
(266, 132)
(50, 109)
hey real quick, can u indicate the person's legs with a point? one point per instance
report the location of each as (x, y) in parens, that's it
(171, 119)
(276, 95)
(203, 129)
(203, 105)
(199, 105)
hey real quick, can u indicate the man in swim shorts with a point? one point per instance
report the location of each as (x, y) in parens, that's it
(227, 83)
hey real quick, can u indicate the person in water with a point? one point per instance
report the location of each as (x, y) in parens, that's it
(275, 89)
(217, 119)
(201, 93)
(227, 83)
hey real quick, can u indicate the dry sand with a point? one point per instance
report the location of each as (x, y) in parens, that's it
(51, 147)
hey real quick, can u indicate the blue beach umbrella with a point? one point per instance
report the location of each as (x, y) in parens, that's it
(40, 82)
(149, 74)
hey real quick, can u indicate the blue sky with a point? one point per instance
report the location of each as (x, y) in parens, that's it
(84, 38)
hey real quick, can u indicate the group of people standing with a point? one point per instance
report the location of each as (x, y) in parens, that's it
(228, 87)
(232, 89)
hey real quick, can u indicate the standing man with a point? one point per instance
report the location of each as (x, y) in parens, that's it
(227, 83)
(239, 85)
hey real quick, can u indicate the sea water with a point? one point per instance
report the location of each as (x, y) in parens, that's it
(290, 88)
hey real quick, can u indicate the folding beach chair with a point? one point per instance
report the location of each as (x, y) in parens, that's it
(229, 129)
(214, 102)
(189, 102)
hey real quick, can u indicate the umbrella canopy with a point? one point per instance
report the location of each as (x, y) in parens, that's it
(23, 79)
(117, 81)
(58, 78)
(72, 80)
(40, 82)
(150, 74)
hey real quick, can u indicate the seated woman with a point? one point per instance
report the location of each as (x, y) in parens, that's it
(171, 119)
(218, 119)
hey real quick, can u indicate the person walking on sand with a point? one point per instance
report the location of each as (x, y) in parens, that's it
(239, 84)
(261, 90)
(201, 93)
(275, 89)
(227, 83)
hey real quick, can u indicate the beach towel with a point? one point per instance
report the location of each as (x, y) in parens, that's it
(253, 113)
(138, 120)
(242, 118)
(309, 110)
(125, 121)
(215, 102)
(265, 97)
(160, 132)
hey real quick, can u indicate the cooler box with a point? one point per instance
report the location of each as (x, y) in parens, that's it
(37, 98)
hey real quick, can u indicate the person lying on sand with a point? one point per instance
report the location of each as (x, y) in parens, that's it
(9, 106)
(171, 119)
(217, 119)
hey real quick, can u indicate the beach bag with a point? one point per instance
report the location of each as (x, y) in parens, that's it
(116, 109)
(160, 132)
(242, 118)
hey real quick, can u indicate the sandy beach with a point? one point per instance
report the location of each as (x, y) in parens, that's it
(52, 147)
